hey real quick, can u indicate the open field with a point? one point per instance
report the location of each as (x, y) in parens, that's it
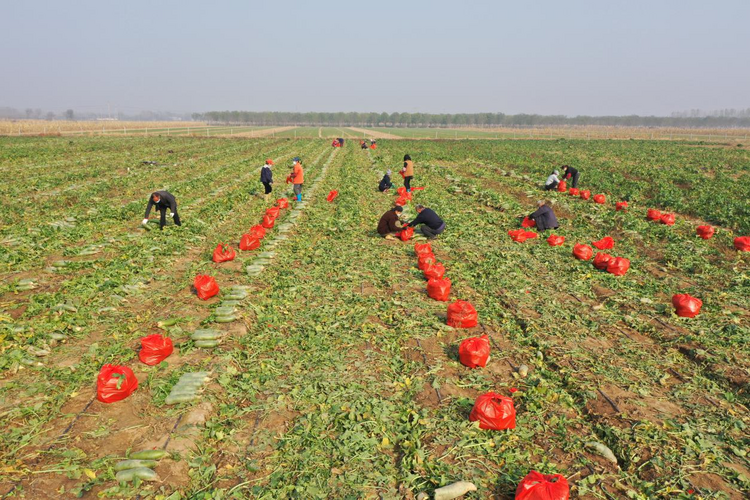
(36, 127)
(339, 377)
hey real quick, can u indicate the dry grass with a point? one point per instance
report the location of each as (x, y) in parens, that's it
(30, 127)
(593, 131)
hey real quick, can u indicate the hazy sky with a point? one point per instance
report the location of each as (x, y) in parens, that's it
(552, 57)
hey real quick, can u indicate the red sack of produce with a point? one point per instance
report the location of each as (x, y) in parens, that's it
(574, 192)
(401, 201)
(555, 240)
(332, 195)
(282, 203)
(618, 266)
(686, 306)
(653, 214)
(268, 221)
(155, 349)
(401, 191)
(705, 232)
(406, 233)
(667, 219)
(562, 187)
(257, 231)
(115, 383)
(206, 286)
(536, 486)
(373, 146)
(494, 412)
(273, 212)
(403, 175)
(530, 235)
(439, 289)
(223, 253)
(606, 243)
(425, 260)
(742, 243)
(422, 248)
(621, 206)
(249, 242)
(528, 222)
(601, 260)
(585, 195)
(582, 252)
(519, 235)
(462, 314)
(474, 351)
(420, 188)
(600, 199)
(436, 270)
(288, 179)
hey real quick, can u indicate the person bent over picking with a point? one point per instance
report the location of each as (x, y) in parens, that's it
(162, 200)
(572, 174)
(544, 217)
(552, 181)
(432, 225)
(389, 223)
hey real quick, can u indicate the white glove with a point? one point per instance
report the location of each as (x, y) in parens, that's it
(171, 214)
(144, 222)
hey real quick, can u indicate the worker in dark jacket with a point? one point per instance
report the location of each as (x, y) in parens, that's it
(162, 200)
(385, 182)
(388, 225)
(432, 224)
(544, 217)
(572, 174)
(266, 177)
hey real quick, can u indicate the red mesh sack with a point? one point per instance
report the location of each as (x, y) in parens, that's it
(436, 270)
(401, 191)
(461, 314)
(223, 253)
(474, 351)
(621, 206)
(268, 221)
(422, 248)
(653, 214)
(155, 349)
(282, 203)
(667, 219)
(618, 266)
(439, 289)
(585, 194)
(273, 212)
(257, 231)
(420, 188)
(555, 240)
(115, 383)
(206, 286)
(332, 195)
(606, 243)
(742, 243)
(705, 232)
(406, 233)
(401, 201)
(574, 192)
(686, 306)
(494, 412)
(425, 260)
(562, 186)
(582, 252)
(536, 486)
(600, 199)
(601, 260)
(530, 235)
(519, 235)
(402, 174)
(528, 222)
(249, 242)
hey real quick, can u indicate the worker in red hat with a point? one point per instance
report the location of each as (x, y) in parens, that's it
(266, 177)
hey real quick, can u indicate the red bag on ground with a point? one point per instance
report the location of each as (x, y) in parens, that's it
(332, 195)
(249, 242)
(257, 231)
(667, 219)
(536, 486)
(519, 235)
(528, 222)
(530, 235)
(282, 203)
(621, 206)
(406, 233)
(606, 243)
(586, 194)
(401, 191)
(268, 221)
(115, 383)
(420, 188)
(601, 260)
(686, 306)
(494, 412)
(422, 249)
(273, 212)
(705, 232)
(618, 266)
(373, 146)
(600, 199)
(155, 349)
(582, 252)
(206, 286)
(401, 201)
(574, 192)
(653, 214)
(462, 314)
(474, 351)
(439, 289)
(562, 187)
(555, 240)
(223, 253)
(425, 260)
(436, 270)
(742, 243)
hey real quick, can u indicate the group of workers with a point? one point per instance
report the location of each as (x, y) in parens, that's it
(568, 173)
(364, 145)
(296, 177)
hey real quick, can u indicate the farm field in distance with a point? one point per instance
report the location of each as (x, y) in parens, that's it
(339, 377)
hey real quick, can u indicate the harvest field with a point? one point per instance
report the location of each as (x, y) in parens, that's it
(338, 376)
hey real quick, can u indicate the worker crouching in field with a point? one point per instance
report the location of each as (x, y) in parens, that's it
(297, 177)
(388, 225)
(544, 217)
(552, 181)
(385, 182)
(407, 172)
(266, 177)
(572, 174)
(162, 200)
(432, 225)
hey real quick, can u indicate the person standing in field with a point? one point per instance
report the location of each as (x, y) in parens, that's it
(385, 182)
(544, 217)
(162, 200)
(388, 224)
(432, 223)
(297, 177)
(572, 174)
(266, 177)
(552, 181)
(407, 172)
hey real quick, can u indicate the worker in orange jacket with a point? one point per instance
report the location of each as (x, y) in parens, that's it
(297, 177)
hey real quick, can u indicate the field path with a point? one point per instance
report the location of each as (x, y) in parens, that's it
(374, 134)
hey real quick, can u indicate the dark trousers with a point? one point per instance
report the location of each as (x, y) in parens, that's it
(407, 182)
(574, 180)
(431, 233)
(267, 185)
(550, 187)
(163, 219)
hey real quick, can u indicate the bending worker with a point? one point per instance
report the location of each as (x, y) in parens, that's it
(388, 224)
(544, 217)
(572, 174)
(162, 200)
(552, 181)
(385, 182)
(432, 224)
(266, 177)
(297, 177)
